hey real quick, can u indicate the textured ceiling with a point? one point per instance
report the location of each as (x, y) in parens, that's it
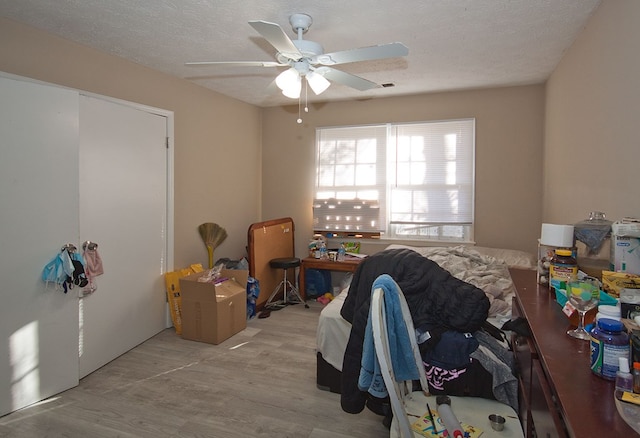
(453, 44)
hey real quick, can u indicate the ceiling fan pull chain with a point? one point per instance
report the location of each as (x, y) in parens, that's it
(306, 91)
(306, 107)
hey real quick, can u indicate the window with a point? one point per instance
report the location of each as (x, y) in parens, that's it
(403, 181)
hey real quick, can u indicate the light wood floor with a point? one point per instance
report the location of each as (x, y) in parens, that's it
(259, 383)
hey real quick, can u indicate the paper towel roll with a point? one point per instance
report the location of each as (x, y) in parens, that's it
(557, 235)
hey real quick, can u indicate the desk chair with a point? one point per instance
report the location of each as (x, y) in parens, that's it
(474, 411)
(285, 263)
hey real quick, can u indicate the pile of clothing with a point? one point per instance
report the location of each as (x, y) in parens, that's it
(448, 313)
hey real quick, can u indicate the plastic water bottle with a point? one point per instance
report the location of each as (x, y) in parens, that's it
(341, 252)
(323, 251)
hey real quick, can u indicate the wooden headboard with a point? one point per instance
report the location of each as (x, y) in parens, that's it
(269, 240)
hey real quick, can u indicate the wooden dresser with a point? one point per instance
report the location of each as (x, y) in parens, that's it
(559, 396)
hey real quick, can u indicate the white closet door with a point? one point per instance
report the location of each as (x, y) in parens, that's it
(123, 208)
(38, 214)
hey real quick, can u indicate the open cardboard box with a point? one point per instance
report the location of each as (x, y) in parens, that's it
(213, 313)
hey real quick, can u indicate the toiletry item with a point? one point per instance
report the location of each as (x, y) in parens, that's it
(636, 377)
(624, 379)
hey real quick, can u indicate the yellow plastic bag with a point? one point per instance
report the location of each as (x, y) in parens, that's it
(172, 280)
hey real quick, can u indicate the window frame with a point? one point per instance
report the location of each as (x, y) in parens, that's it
(390, 228)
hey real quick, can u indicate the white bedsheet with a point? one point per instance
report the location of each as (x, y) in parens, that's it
(486, 268)
(333, 331)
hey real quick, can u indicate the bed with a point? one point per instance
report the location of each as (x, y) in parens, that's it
(486, 268)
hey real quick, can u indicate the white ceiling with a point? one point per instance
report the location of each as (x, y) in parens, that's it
(453, 44)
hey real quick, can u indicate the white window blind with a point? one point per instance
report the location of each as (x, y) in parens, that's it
(401, 180)
(350, 179)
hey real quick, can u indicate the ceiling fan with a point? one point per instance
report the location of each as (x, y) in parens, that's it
(306, 59)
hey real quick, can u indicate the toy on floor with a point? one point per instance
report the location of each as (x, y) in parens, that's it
(325, 299)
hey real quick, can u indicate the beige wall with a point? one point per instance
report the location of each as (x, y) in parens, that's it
(509, 136)
(217, 139)
(592, 149)
(583, 123)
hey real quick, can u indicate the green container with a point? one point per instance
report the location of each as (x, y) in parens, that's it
(605, 298)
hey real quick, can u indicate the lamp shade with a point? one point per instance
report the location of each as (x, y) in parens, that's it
(317, 82)
(293, 92)
(290, 83)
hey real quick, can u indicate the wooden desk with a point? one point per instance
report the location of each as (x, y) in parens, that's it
(350, 264)
(560, 394)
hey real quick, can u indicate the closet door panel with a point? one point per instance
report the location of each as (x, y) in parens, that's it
(38, 214)
(123, 208)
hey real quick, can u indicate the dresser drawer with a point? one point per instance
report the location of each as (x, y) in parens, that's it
(545, 414)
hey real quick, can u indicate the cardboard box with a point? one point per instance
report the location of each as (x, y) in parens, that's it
(626, 227)
(625, 254)
(614, 283)
(213, 313)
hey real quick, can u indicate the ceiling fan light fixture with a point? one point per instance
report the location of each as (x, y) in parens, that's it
(317, 82)
(287, 78)
(290, 83)
(293, 92)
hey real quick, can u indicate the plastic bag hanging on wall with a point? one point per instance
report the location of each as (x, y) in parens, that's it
(58, 269)
(65, 270)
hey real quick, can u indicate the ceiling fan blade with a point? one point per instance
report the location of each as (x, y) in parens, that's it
(347, 79)
(239, 63)
(274, 34)
(382, 51)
